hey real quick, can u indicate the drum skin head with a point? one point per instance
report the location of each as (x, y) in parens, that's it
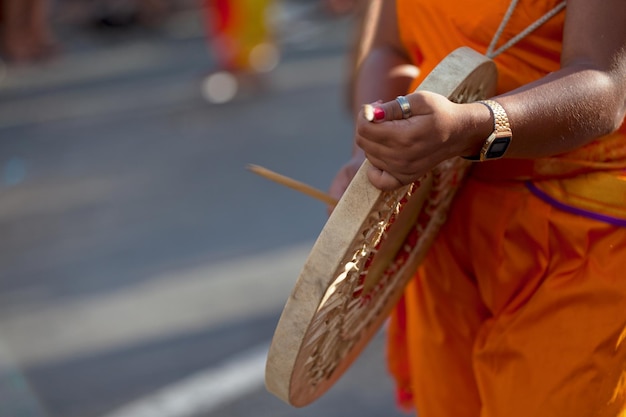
(365, 255)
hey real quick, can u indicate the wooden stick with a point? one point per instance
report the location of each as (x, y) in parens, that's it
(291, 183)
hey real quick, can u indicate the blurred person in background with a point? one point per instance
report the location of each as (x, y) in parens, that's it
(26, 34)
(240, 37)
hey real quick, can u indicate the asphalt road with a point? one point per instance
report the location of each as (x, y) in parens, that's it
(139, 259)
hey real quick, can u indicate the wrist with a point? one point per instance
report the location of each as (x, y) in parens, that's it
(497, 143)
(477, 125)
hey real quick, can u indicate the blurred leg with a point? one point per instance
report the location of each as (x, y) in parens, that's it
(16, 44)
(26, 31)
(41, 29)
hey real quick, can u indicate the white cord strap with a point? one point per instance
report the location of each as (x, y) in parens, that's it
(505, 20)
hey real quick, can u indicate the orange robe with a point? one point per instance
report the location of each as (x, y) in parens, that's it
(520, 307)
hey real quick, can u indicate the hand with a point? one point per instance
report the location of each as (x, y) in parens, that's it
(403, 150)
(344, 176)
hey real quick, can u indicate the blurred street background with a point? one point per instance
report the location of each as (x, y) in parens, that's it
(142, 267)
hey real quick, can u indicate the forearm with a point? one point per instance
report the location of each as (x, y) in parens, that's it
(583, 100)
(564, 110)
(383, 75)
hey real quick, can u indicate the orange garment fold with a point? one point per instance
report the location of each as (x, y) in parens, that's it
(533, 326)
(525, 326)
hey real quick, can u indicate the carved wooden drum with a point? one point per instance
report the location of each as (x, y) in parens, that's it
(364, 256)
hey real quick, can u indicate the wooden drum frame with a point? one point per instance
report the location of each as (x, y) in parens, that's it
(365, 255)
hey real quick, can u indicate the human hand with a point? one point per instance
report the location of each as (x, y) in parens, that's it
(402, 150)
(344, 176)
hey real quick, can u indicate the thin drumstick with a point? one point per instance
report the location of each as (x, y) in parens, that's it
(294, 184)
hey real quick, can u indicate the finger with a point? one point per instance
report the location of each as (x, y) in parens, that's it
(374, 143)
(392, 110)
(373, 111)
(382, 179)
(403, 175)
(382, 112)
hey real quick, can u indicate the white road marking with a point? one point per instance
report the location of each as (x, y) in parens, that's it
(18, 397)
(205, 391)
(163, 306)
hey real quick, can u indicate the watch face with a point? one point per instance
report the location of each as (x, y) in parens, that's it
(498, 147)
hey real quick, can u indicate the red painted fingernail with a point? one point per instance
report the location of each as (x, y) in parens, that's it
(379, 113)
(373, 113)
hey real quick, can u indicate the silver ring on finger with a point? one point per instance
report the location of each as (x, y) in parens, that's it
(404, 106)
